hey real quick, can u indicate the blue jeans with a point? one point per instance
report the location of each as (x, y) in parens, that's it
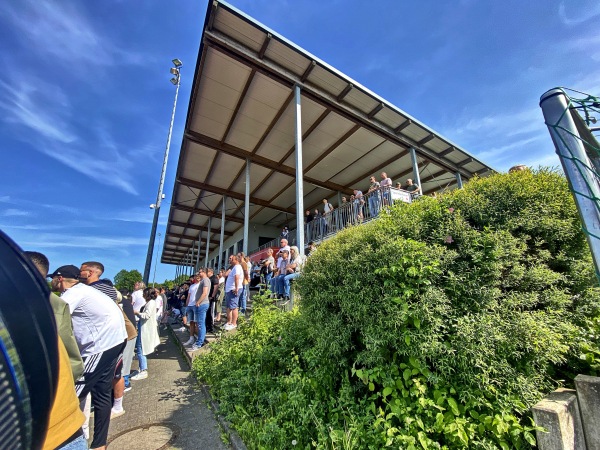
(286, 282)
(78, 444)
(374, 204)
(273, 284)
(279, 284)
(268, 277)
(243, 298)
(138, 348)
(201, 317)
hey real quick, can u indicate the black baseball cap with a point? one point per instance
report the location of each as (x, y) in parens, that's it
(68, 271)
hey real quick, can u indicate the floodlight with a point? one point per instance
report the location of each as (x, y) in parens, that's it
(175, 81)
(177, 62)
(152, 206)
(174, 71)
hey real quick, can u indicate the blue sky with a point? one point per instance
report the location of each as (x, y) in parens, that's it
(85, 98)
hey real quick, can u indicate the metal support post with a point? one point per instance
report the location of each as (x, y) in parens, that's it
(246, 208)
(459, 180)
(299, 173)
(415, 165)
(222, 237)
(576, 164)
(207, 242)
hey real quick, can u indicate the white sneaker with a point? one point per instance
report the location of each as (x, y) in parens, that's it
(116, 413)
(182, 329)
(195, 347)
(227, 326)
(190, 341)
(143, 374)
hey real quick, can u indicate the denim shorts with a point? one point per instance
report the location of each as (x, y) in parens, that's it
(231, 300)
(190, 313)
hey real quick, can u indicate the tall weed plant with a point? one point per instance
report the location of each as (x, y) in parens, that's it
(438, 325)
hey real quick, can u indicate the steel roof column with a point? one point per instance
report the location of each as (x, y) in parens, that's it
(247, 208)
(198, 253)
(207, 242)
(415, 164)
(459, 180)
(299, 173)
(576, 164)
(222, 234)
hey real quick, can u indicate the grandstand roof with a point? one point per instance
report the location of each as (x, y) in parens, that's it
(242, 108)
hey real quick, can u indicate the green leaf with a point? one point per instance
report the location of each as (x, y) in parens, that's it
(422, 439)
(371, 387)
(407, 339)
(530, 438)
(387, 391)
(417, 323)
(453, 406)
(407, 374)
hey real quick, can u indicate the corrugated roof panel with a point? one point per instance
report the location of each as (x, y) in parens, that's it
(327, 81)
(286, 57)
(415, 132)
(238, 29)
(324, 136)
(224, 172)
(281, 137)
(197, 161)
(389, 117)
(275, 183)
(360, 101)
(257, 174)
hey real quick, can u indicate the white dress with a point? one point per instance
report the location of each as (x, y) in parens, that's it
(150, 338)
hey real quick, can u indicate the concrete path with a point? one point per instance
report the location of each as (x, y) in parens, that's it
(166, 410)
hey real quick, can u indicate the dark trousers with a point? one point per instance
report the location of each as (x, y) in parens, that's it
(209, 321)
(98, 374)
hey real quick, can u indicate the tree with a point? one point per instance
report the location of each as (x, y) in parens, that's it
(126, 279)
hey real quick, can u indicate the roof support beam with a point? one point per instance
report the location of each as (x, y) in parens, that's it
(308, 70)
(375, 110)
(259, 160)
(380, 166)
(248, 57)
(345, 92)
(232, 194)
(426, 139)
(402, 126)
(464, 162)
(239, 104)
(433, 176)
(204, 212)
(447, 151)
(265, 45)
(189, 238)
(195, 227)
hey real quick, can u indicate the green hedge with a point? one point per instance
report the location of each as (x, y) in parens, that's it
(435, 326)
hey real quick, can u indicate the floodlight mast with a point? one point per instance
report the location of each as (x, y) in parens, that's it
(176, 80)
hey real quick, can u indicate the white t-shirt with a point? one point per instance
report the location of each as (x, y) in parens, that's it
(192, 294)
(230, 283)
(137, 300)
(98, 323)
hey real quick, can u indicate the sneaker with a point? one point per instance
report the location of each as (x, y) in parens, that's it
(190, 341)
(227, 326)
(140, 376)
(182, 329)
(127, 388)
(231, 327)
(116, 413)
(195, 347)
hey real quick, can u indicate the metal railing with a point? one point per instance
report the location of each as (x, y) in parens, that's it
(356, 211)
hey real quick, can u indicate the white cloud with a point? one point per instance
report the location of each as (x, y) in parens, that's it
(13, 212)
(63, 32)
(55, 240)
(44, 109)
(583, 13)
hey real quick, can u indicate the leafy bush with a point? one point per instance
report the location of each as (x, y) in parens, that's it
(436, 326)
